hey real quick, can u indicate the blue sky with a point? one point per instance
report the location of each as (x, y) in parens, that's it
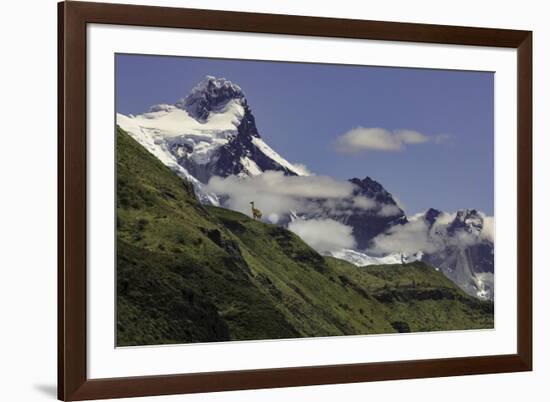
(302, 109)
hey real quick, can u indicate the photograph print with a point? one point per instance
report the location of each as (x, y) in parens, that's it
(264, 200)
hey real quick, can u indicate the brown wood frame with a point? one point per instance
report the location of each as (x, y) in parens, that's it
(73, 383)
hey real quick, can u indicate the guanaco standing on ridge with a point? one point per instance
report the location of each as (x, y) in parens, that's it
(256, 213)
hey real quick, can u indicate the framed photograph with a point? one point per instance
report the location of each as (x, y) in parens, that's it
(253, 200)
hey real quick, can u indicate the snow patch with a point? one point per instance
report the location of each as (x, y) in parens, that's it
(362, 260)
(250, 167)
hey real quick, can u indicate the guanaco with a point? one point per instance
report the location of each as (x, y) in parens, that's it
(256, 213)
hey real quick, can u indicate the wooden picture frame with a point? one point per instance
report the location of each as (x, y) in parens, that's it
(73, 17)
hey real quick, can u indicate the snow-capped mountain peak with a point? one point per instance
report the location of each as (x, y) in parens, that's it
(210, 95)
(210, 132)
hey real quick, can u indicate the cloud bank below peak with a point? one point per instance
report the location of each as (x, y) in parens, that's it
(277, 195)
(418, 234)
(324, 235)
(363, 139)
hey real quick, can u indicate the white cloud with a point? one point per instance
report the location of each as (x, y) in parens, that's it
(273, 218)
(389, 210)
(417, 235)
(411, 137)
(276, 195)
(363, 202)
(361, 139)
(375, 139)
(408, 239)
(324, 234)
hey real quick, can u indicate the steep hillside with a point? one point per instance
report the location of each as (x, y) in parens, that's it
(190, 273)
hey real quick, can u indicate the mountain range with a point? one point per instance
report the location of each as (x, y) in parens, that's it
(212, 133)
(191, 272)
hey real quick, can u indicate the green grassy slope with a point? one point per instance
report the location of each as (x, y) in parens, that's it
(189, 273)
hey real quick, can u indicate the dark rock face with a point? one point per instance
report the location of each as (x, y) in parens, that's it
(366, 226)
(369, 223)
(468, 264)
(471, 268)
(431, 216)
(372, 189)
(229, 156)
(482, 256)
